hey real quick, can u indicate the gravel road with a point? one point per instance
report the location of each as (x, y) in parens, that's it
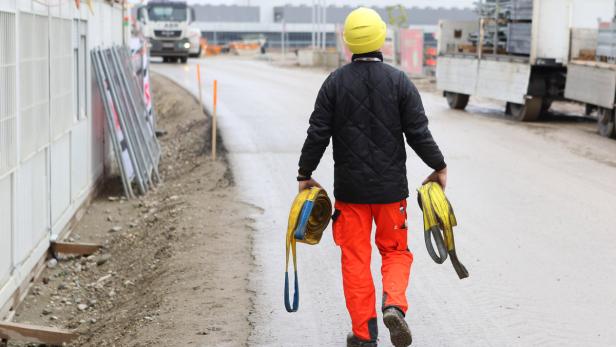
(536, 205)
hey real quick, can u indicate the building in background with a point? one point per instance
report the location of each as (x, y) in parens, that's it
(221, 24)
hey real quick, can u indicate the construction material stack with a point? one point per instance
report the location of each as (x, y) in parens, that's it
(606, 42)
(495, 15)
(519, 30)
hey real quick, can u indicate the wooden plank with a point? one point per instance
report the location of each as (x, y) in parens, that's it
(34, 333)
(7, 311)
(74, 248)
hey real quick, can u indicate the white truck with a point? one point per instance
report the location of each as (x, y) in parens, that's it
(194, 37)
(166, 25)
(528, 83)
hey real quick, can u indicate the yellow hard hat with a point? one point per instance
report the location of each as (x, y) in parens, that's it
(364, 31)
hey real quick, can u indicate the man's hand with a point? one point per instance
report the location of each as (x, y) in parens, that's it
(308, 184)
(439, 177)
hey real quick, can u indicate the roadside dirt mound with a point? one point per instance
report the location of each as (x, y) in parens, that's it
(174, 269)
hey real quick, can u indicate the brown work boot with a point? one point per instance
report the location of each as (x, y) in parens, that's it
(398, 328)
(354, 341)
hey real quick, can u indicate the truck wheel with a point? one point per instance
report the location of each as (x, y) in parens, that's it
(605, 122)
(184, 60)
(528, 112)
(456, 101)
(165, 60)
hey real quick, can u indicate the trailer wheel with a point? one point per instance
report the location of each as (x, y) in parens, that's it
(545, 105)
(456, 101)
(605, 122)
(589, 109)
(528, 112)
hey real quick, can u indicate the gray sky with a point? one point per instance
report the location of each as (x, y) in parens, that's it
(407, 3)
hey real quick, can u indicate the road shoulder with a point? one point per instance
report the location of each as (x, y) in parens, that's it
(175, 266)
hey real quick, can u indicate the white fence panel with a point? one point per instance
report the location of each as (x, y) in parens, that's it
(32, 205)
(81, 157)
(60, 177)
(34, 83)
(6, 228)
(8, 94)
(46, 96)
(61, 52)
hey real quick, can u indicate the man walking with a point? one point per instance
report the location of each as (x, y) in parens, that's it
(367, 108)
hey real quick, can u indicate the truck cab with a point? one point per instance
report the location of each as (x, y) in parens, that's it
(166, 25)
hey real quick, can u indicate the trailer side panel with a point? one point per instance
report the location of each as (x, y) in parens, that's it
(457, 75)
(591, 84)
(502, 80)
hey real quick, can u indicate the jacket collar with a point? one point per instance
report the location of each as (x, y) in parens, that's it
(369, 56)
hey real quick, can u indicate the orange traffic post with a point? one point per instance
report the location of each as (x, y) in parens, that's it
(214, 120)
(199, 84)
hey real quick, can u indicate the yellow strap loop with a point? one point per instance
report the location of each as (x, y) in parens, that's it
(309, 216)
(439, 216)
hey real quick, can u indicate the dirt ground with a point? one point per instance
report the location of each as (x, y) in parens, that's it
(175, 264)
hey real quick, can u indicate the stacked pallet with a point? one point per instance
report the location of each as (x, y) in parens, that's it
(606, 42)
(508, 26)
(519, 31)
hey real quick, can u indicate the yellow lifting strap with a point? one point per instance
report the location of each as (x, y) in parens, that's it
(438, 216)
(309, 216)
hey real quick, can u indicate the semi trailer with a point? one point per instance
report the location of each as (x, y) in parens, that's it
(518, 54)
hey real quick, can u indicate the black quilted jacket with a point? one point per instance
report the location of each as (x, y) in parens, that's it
(367, 107)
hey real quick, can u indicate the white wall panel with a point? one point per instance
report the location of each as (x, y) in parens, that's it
(39, 181)
(8, 94)
(6, 226)
(61, 78)
(81, 157)
(32, 205)
(34, 83)
(60, 177)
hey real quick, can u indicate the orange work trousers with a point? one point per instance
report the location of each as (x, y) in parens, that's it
(352, 229)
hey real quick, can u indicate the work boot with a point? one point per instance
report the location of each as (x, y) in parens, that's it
(398, 328)
(354, 341)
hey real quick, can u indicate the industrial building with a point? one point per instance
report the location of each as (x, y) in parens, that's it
(222, 23)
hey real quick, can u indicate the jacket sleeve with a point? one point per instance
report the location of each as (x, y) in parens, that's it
(415, 126)
(320, 129)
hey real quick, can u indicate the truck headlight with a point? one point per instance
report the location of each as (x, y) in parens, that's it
(186, 45)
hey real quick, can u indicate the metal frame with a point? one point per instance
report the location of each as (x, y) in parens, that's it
(117, 147)
(118, 82)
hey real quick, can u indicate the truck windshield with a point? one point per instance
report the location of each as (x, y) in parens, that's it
(167, 13)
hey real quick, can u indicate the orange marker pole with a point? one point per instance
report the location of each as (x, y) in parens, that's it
(214, 119)
(199, 84)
